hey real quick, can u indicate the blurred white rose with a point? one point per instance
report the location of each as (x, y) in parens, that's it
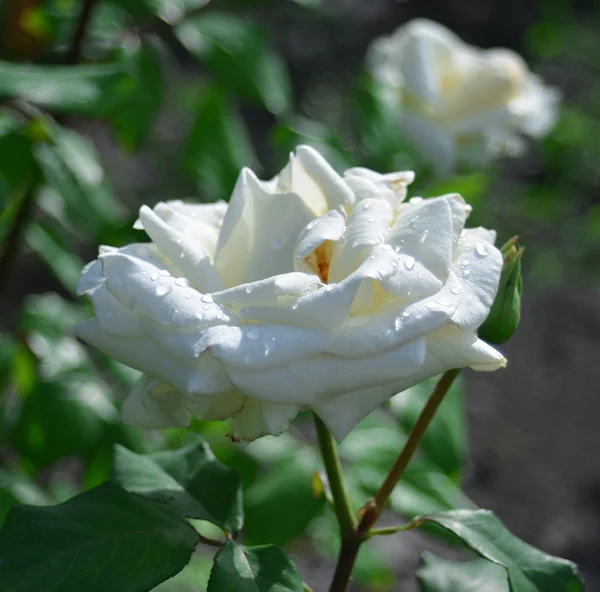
(459, 102)
(310, 290)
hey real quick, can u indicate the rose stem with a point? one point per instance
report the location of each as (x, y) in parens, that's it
(414, 437)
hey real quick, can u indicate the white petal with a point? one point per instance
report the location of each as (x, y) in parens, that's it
(446, 348)
(149, 289)
(270, 291)
(432, 140)
(311, 177)
(202, 222)
(478, 265)
(313, 250)
(305, 381)
(215, 407)
(154, 408)
(368, 226)
(391, 187)
(112, 316)
(258, 418)
(260, 346)
(425, 231)
(142, 354)
(259, 232)
(182, 250)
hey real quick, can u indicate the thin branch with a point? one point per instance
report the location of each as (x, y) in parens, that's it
(15, 235)
(414, 437)
(74, 54)
(209, 541)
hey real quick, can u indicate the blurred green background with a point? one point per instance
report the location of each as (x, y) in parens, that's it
(107, 105)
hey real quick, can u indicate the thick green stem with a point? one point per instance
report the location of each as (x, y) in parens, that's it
(414, 437)
(341, 503)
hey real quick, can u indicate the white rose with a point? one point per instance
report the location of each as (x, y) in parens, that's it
(310, 290)
(459, 102)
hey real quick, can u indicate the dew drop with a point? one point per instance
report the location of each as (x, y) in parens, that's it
(206, 298)
(367, 205)
(481, 250)
(164, 273)
(444, 301)
(455, 290)
(328, 288)
(424, 236)
(188, 295)
(182, 282)
(207, 307)
(154, 277)
(253, 334)
(409, 263)
(386, 247)
(398, 323)
(370, 220)
(162, 289)
(394, 263)
(294, 306)
(248, 289)
(466, 273)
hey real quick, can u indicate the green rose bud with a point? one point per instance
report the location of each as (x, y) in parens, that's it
(505, 313)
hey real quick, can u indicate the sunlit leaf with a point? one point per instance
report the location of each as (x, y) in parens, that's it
(239, 54)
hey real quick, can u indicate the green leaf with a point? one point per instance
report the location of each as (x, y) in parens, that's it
(268, 501)
(528, 568)
(189, 480)
(66, 266)
(253, 569)
(84, 90)
(218, 146)
(105, 540)
(441, 575)
(62, 418)
(239, 54)
(133, 121)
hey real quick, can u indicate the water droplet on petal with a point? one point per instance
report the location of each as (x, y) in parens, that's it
(206, 298)
(398, 323)
(409, 263)
(394, 263)
(154, 277)
(248, 289)
(367, 206)
(444, 301)
(466, 273)
(455, 290)
(164, 273)
(424, 236)
(481, 250)
(386, 247)
(162, 289)
(253, 334)
(328, 288)
(188, 295)
(182, 282)
(370, 220)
